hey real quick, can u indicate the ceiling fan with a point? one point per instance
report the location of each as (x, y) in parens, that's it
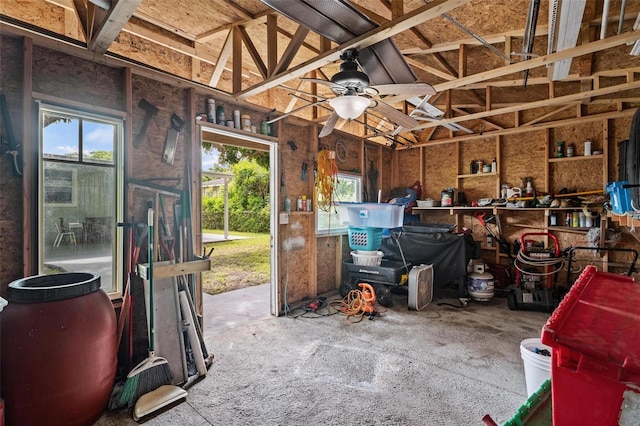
(354, 95)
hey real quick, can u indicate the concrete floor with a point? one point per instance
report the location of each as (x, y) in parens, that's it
(438, 366)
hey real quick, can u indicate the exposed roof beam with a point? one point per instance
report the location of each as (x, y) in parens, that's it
(221, 63)
(292, 49)
(383, 32)
(539, 104)
(596, 46)
(109, 28)
(167, 27)
(454, 45)
(209, 35)
(253, 51)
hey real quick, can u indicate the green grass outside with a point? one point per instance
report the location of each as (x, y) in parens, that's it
(237, 264)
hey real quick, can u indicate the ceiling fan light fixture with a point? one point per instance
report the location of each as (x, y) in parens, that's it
(349, 107)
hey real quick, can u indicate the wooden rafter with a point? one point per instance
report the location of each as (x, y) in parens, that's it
(272, 43)
(110, 26)
(549, 115)
(291, 50)
(538, 104)
(225, 53)
(236, 60)
(542, 60)
(482, 120)
(253, 52)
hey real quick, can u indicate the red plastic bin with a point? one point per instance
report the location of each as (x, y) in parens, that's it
(594, 334)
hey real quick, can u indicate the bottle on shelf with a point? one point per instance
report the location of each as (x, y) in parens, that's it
(528, 190)
(494, 166)
(560, 149)
(575, 220)
(264, 127)
(587, 147)
(304, 203)
(220, 115)
(211, 110)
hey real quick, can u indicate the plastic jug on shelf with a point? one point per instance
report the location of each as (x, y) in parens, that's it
(514, 192)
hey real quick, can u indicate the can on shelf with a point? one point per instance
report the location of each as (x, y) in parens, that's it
(246, 122)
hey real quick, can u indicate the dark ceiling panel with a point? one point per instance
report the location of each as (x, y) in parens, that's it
(340, 22)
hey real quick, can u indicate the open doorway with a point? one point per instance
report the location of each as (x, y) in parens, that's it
(222, 181)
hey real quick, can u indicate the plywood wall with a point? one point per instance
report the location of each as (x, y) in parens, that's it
(67, 77)
(11, 224)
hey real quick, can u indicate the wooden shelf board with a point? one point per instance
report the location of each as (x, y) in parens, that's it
(576, 158)
(477, 175)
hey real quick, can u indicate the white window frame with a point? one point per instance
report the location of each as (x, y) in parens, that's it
(117, 251)
(335, 227)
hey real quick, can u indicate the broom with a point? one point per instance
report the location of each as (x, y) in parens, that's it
(154, 371)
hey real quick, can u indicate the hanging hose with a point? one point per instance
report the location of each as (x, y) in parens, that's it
(326, 179)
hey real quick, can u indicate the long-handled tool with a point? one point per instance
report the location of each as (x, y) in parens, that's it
(154, 371)
(159, 393)
(137, 232)
(480, 216)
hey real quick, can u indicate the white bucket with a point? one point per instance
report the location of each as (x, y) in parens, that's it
(537, 367)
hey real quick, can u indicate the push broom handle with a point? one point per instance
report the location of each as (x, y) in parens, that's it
(152, 330)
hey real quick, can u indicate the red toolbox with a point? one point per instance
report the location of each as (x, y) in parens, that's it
(595, 338)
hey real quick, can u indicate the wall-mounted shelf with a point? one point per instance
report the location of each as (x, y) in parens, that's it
(472, 175)
(576, 158)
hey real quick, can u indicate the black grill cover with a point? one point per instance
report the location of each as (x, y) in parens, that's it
(448, 253)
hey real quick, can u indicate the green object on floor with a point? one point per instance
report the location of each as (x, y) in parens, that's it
(537, 411)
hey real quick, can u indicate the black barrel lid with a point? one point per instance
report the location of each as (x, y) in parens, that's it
(49, 288)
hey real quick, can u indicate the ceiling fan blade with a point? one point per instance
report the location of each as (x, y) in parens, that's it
(329, 125)
(394, 115)
(413, 89)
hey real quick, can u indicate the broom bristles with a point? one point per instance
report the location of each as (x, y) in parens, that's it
(147, 376)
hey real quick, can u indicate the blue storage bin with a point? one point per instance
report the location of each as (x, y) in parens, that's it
(620, 197)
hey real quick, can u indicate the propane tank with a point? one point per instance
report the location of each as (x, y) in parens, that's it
(480, 284)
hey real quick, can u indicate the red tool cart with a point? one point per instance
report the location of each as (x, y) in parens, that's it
(537, 269)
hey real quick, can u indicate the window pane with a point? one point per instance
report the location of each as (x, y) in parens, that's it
(60, 186)
(78, 236)
(80, 202)
(60, 137)
(97, 142)
(348, 190)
